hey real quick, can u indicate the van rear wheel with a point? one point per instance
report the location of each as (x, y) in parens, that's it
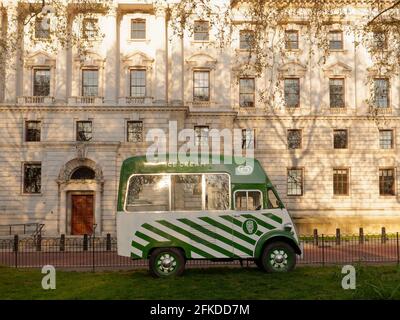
(166, 262)
(278, 257)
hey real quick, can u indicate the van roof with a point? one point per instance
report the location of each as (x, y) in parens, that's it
(236, 167)
(241, 169)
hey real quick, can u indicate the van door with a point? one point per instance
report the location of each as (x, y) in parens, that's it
(246, 221)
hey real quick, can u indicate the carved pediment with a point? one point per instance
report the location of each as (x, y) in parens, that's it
(338, 69)
(91, 59)
(201, 60)
(138, 59)
(293, 69)
(40, 58)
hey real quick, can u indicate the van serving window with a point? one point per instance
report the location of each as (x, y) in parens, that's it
(178, 192)
(148, 193)
(186, 192)
(248, 200)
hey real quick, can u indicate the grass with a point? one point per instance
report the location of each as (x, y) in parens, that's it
(373, 282)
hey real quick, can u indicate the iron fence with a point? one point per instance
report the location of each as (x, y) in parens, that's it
(101, 252)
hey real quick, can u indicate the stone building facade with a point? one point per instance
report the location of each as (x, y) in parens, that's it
(332, 165)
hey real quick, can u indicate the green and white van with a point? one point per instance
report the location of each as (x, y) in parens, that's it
(171, 213)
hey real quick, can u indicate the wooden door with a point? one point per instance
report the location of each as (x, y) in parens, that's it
(82, 214)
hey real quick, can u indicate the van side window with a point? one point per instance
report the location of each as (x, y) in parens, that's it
(186, 192)
(272, 201)
(248, 200)
(148, 193)
(217, 192)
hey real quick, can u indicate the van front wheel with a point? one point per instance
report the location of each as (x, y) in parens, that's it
(166, 262)
(278, 257)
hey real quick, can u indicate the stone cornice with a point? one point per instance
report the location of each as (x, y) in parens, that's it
(86, 108)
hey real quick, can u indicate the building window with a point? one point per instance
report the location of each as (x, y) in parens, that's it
(246, 92)
(386, 139)
(336, 93)
(381, 92)
(340, 139)
(135, 131)
(90, 83)
(291, 39)
(138, 83)
(201, 86)
(336, 40)
(294, 139)
(41, 82)
(246, 39)
(40, 31)
(386, 182)
(380, 40)
(201, 31)
(292, 92)
(341, 182)
(83, 173)
(84, 131)
(138, 29)
(32, 131)
(201, 135)
(90, 28)
(248, 139)
(295, 182)
(32, 177)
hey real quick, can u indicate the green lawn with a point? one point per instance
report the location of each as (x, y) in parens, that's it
(373, 282)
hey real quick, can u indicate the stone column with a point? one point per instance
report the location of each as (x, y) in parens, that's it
(111, 66)
(177, 70)
(161, 68)
(13, 62)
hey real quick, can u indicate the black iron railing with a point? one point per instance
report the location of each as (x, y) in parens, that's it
(101, 252)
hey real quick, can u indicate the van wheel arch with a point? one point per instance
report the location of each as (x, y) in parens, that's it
(287, 240)
(169, 247)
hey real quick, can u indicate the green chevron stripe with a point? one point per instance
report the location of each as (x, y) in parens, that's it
(196, 238)
(216, 236)
(227, 229)
(259, 233)
(145, 237)
(137, 245)
(259, 221)
(177, 241)
(232, 220)
(135, 256)
(273, 217)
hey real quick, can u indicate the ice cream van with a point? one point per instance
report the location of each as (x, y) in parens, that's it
(172, 212)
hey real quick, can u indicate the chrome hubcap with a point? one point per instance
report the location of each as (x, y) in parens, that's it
(166, 263)
(278, 259)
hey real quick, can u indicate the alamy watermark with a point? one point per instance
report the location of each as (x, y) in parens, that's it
(49, 280)
(349, 280)
(202, 146)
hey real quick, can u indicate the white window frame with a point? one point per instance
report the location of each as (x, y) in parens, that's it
(203, 189)
(247, 198)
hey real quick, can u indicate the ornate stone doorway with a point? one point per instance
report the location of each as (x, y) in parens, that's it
(80, 193)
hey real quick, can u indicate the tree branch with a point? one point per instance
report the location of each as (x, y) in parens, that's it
(396, 4)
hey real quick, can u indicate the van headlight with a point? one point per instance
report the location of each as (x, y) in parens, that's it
(288, 227)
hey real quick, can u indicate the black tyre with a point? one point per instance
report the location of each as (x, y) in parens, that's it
(166, 262)
(259, 264)
(278, 257)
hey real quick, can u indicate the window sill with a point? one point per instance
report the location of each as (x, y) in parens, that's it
(32, 194)
(139, 40)
(200, 41)
(338, 50)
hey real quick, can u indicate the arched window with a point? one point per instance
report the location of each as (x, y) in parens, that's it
(83, 173)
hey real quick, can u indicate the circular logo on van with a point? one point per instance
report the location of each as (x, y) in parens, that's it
(250, 226)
